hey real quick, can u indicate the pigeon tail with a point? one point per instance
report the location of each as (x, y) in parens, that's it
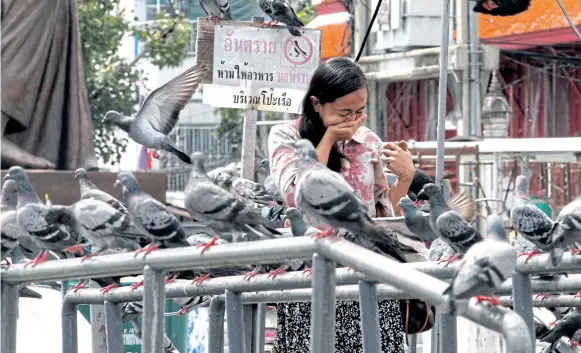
(181, 155)
(295, 31)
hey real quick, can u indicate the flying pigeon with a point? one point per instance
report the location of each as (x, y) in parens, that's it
(323, 194)
(244, 188)
(447, 223)
(566, 327)
(102, 225)
(31, 218)
(90, 191)
(485, 266)
(501, 7)
(218, 208)
(416, 221)
(217, 9)
(160, 112)
(281, 11)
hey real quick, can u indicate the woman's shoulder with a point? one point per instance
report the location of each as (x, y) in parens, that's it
(285, 131)
(365, 135)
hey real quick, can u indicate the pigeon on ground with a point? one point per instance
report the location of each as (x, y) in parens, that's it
(485, 266)
(323, 194)
(566, 327)
(543, 232)
(269, 184)
(247, 189)
(160, 112)
(417, 221)
(31, 218)
(218, 208)
(103, 226)
(501, 7)
(217, 9)
(447, 223)
(281, 11)
(90, 191)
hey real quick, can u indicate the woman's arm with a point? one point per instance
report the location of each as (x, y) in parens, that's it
(283, 160)
(399, 189)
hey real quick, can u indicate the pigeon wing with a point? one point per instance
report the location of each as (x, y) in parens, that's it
(158, 221)
(457, 230)
(282, 10)
(163, 106)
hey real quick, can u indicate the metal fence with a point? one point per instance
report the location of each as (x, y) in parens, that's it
(418, 280)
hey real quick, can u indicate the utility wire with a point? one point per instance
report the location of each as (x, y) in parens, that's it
(368, 30)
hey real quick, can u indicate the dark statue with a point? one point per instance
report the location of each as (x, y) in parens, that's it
(46, 121)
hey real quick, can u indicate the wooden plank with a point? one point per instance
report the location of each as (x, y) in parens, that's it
(64, 190)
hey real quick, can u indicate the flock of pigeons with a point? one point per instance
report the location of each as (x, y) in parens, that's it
(226, 204)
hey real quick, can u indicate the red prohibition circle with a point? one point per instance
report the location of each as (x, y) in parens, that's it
(297, 61)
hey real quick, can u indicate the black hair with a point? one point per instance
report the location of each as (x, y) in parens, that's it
(333, 79)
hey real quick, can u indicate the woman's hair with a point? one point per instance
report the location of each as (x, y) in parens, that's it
(332, 80)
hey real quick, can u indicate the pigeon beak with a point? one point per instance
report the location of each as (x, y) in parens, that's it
(6, 177)
(117, 183)
(75, 177)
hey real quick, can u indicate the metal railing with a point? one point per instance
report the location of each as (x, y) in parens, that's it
(416, 280)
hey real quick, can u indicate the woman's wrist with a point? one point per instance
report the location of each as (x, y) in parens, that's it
(324, 149)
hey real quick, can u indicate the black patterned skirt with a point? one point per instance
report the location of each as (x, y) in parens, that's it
(294, 324)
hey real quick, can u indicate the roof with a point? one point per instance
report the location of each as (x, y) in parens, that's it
(242, 10)
(543, 18)
(335, 34)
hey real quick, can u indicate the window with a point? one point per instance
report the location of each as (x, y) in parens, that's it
(154, 7)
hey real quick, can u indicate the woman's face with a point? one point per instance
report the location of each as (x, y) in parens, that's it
(346, 108)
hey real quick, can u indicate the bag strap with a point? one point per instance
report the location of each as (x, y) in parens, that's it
(407, 317)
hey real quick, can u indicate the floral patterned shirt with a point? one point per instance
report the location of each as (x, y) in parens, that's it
(356, 166)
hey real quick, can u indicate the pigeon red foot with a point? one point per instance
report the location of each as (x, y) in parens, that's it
(214, 19)
(551, 324)
(183, 311)
(575, 251)
(327, 232)
(147, 249)
(577, 295)
(208, 244)
(109, 287)
(249, 275)
(491, 300)
(272, 274)
(155, 155)
(450, 259)
(574, 343)
(5, 263)
(543, 296)
(77, 286)
(200, 279)
(308, 271)
(529, 254)
(43, 256)
(170, 279)
(75, 249)
(136, 285)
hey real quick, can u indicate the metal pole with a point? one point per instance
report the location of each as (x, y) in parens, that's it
(369, 308)
(247, 314)
(323, 305)
(69, 327)
(443, 89)
(235, 322)
(113, 328)
(413, 343)
(447, 333)
(153, 310)
(9, 317)
(259, 323)
(474, 67)
(216, 313)
(522, 295)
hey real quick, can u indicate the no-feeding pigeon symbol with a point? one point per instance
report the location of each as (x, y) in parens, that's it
(298, 50)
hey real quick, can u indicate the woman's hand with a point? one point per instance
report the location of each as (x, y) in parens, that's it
(398, 160)
(345, 131)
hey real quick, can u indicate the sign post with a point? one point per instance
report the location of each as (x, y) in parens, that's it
(256, 67)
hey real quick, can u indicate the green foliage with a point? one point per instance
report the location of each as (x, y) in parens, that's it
(307, 13)
(111, 79)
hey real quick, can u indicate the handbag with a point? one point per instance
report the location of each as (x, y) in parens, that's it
(417, 316)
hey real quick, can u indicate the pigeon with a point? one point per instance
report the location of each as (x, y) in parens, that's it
(150, 216)
(447, 223)
(218, 208)
(281, 11)
(298, 225)
(485, 266)
(566, 327)
(269, 183)
(160, 112)
(416, 221)
(323, 194)
(217, 9)
(9, 196)
(440, 251)
(501, 7)
(543, 232)
(90, 191)
(31, 218)
(247, 189)
(102, 225)
(576, 340)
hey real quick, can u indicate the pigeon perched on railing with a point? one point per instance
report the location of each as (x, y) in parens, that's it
(323, 194)
(9, 227)
(416, 220)
(160, 112)
(447, 223)
(31, 218)
(566, 327)
(281, 11)
(219, 209)
(90, 191)
(217, 9)
(269, 184)
(485, 266)
(247, 189)
(9, 196)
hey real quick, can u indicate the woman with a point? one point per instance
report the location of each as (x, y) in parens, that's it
(332, 119)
